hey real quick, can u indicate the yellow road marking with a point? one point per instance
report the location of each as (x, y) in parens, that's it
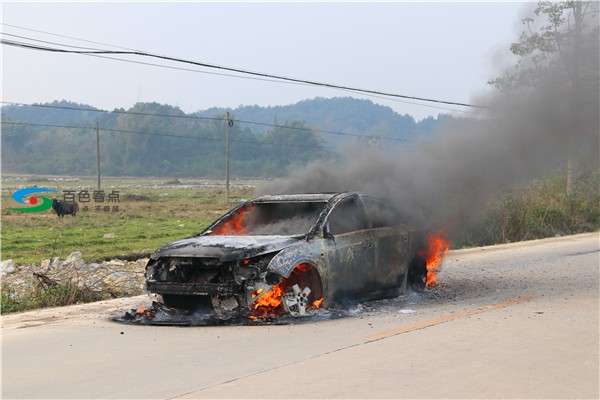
(446, 318)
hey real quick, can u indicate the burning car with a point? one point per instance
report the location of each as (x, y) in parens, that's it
(290, 254)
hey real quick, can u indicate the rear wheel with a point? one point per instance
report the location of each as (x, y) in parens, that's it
(417, 274)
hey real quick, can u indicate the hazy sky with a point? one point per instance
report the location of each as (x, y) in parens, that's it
(436, 50)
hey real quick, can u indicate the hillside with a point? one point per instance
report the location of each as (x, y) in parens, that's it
(151, 139)
(349, 115)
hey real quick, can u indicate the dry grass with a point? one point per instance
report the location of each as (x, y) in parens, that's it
(541, 210)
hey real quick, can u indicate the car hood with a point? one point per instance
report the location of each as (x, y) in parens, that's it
(226, 248)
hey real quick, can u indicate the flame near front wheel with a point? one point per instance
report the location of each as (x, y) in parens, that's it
(295, 295)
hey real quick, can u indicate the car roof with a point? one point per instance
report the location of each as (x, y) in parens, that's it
(312, 197)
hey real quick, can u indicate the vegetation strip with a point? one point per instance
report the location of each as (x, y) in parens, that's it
(446, 318)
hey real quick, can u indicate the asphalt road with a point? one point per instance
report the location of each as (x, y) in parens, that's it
(510, 321)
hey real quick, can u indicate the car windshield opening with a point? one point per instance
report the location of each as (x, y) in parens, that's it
(277, 218)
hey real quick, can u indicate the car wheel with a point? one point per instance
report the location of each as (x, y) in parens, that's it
(303, 285)
(417, 274)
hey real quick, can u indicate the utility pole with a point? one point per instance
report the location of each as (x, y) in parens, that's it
(575, 108)
(229, 123)
(575, 102)
(98, 154)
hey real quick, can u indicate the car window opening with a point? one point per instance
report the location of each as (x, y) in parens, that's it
(347, 217)
(258, 219)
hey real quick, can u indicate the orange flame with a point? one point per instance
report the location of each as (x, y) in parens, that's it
(235, 225)
(437, 248)
(144, 312)
(270, 304)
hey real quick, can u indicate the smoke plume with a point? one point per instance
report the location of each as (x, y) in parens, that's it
(524, 134)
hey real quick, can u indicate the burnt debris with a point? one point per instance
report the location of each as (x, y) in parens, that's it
(160, 314)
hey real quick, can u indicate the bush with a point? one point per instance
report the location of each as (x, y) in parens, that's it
(45, 296)
(540, 210)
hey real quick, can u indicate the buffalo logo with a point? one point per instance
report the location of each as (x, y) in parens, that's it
(40, 203)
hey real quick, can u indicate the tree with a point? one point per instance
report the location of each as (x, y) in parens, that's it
(560, 42)
(551, 41)
(292, 144)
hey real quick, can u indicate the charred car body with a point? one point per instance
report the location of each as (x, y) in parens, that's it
(288, 254)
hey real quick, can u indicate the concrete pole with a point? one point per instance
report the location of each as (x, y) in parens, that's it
(98, 154)
(227, 160)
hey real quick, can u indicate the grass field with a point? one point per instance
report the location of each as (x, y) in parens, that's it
(154, 212)
(151, 213)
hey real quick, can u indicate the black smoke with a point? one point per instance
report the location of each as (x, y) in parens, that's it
(518, 136)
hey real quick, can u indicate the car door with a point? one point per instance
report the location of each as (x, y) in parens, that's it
(391, 242)
(350, 251)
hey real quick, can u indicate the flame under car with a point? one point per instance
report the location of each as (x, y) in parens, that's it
(290, 254)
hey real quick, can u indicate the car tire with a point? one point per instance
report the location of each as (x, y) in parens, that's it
(310, 278)
(417, 274)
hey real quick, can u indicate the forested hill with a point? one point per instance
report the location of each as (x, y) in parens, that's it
(60, 137)
(345, 114)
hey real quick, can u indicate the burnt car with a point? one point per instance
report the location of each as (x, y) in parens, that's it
(288, 254)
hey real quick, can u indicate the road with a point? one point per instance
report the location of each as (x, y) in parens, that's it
(509, 321)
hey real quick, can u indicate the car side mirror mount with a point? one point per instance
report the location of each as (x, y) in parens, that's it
(326, 232)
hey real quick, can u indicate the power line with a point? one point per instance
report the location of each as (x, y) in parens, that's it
(159, 65)
(114, 111)
(221, 74)
(306, 129)
(163, 134)
(64, 36)
(230, 69)
(44, 41)
(190, 69)
(422, 105)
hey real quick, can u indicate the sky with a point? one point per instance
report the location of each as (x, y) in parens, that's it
(444, 51)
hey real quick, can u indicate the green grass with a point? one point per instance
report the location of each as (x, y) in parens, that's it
(139, 227)
(165, 214)
(169, 213)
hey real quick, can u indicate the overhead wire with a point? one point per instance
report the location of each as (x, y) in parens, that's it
(307, 129)
(142, 62)
(65, 36)
(114, 111)
(231, 69)
(419, 104)
(182, 68)
(222, 74)
(47, 42)
(164, 134)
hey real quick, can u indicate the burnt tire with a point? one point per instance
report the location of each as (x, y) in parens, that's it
(417, 274)
(305, 275)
